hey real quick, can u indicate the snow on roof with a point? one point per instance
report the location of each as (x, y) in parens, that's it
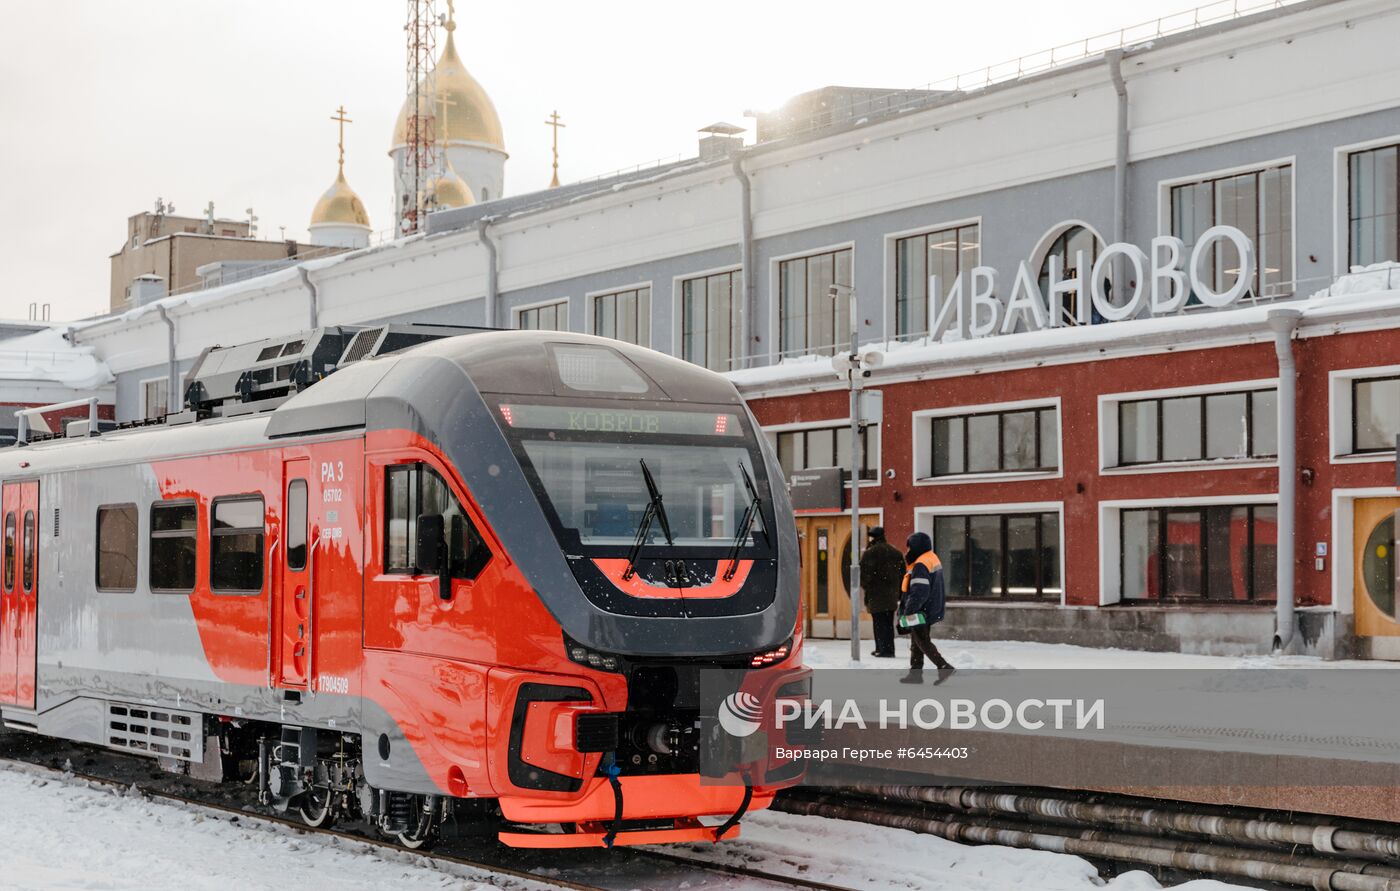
(200, 297)
(1369, 291)
(46, 356)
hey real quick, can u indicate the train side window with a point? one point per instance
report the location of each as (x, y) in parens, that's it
(10, 551)
(411, 490)
(30, 528)
(296, 525)
(400, 518)
(116, 548)
(236, 530)
(173, 531)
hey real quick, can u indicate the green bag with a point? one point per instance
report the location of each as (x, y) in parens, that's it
(913, 620)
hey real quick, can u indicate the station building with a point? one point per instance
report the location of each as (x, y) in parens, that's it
(1112, 483)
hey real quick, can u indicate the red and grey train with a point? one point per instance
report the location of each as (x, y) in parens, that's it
(478, 576)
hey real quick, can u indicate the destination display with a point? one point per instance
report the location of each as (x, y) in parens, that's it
(620, 420)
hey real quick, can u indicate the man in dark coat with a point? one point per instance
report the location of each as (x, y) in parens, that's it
(923, 594)
(881, 574)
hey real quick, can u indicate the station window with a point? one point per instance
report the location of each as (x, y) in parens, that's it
(236, 529)
(624, 315)
(173, 531)
(116, 548)
(829, 447)
(10, 551)
(550, 317)
(1375, 414)
(1067, 247)
(945, 253)
(414, 490)
(1013, 441)
(1219, 552)
(809, 321)
(999, 556)
(1258, 203)
(709, 319)
(1208, 427)
(1373, 206)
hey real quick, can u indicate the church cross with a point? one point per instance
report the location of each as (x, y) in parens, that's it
(340, 118)
(555, 123)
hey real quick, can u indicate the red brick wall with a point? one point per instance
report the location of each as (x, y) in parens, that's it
(1082, 488)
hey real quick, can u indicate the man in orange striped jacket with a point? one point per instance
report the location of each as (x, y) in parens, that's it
(921, 606)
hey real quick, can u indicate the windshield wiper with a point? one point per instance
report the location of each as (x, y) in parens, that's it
(745, 524)
(655, 511)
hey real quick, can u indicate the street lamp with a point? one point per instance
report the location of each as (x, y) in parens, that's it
(855, 366)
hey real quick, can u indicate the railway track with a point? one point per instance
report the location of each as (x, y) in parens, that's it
(623, 869)
(1178, 839)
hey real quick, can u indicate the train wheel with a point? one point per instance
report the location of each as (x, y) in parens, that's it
(316, 807)
(422, 834)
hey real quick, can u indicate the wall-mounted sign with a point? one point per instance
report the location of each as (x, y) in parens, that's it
(817, 489)
(1161, 283)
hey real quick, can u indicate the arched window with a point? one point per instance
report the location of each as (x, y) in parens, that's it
(1066, 245)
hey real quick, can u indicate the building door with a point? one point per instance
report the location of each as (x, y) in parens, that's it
(825, 543)
(295, 610)
(19, 592)
(1374, 566)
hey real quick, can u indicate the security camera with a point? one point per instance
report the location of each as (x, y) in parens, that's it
(889, 474)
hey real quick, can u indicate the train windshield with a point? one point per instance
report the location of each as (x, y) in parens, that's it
(587, 464)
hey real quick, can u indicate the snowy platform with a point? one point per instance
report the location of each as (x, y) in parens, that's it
(1288, 733)
(1010, 654)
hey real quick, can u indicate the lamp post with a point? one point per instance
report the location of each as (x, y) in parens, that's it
(855, 366)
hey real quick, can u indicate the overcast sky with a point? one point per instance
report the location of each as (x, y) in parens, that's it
(108, 104)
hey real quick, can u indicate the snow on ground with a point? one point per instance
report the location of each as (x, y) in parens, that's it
(64, 833)
(1003, 654)
(71, 835)
(866, 858)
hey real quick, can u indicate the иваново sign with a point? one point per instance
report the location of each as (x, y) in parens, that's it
(1161, 282)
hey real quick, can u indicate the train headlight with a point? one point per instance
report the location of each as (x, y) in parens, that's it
(582, 655)
(772, 657)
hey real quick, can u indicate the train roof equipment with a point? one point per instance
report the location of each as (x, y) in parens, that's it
(254, 377)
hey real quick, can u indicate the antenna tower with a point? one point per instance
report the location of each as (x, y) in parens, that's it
(420, 132)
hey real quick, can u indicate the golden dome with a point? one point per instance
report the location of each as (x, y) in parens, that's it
(470, 115)
(449, 190)
(340, 206)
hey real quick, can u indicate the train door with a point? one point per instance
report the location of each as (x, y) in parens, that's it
(28, 594)
(1374, 539)
(9, 596)
(294, 610)
(19, 504)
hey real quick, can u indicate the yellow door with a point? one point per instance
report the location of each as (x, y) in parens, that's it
(1373, 539)
(825, 543)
